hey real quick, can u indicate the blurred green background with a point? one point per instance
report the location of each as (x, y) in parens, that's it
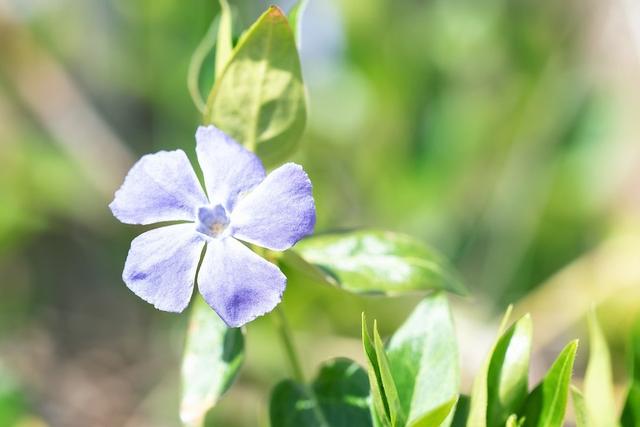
(503, 132)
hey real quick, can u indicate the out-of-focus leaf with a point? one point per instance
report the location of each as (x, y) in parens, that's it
(461, 413)
(224, 41)
(338, 398)
(295, 18)
(378, 262)
(423, 358)
(501, 386)
(213, 356)
(631, 411)
(13, 404)
(259, 99)
(382, 412)
(579, 407)
(436, 417)
(598, 385)
(546, 405)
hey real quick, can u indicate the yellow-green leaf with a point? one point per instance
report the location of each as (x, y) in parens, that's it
(579, 407)
(259, 99)
(598, 384)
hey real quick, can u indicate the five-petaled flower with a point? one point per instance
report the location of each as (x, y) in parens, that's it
(244, 204)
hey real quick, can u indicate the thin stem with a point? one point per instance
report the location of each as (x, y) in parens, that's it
(287, 341)
(294, 361)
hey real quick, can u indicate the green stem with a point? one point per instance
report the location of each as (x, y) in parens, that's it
(294, 361)
(287, 340)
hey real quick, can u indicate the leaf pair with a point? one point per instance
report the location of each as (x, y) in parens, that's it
(500, 392)
(415, 378)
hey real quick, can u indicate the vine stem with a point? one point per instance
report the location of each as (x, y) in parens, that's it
(287, 340)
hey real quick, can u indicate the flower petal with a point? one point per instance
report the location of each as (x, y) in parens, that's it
(278, 212)
(228, 168)
(161, 266)
(238, 284)
(159, 187)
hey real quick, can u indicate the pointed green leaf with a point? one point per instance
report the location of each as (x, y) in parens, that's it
(212, 358)
(461, 413)
(378, 262)
(259, 99)
(579, 407)
(340, 399)
(598, 385)
(423, 358)
(225, 41)
(631, 411)
(388, 384)
(380, 404)
(295, 18)
(437, 416)
(501, 386)
(547, 403)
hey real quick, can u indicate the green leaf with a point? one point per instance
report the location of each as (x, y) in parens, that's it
(598, 385)
(437, 416)
(501, 386)
(259, 99)
(546, 405)
(388, 383)
(338, 398)
(461, 413)
(225, 41)
(579, 407)
(295, 18)
(380, 404)
(378, 262)
(631, 411)
(423, 358)
(212, 358)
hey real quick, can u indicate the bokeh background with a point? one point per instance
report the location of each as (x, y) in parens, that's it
(506, 133)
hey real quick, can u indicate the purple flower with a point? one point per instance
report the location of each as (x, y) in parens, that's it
(243, 204)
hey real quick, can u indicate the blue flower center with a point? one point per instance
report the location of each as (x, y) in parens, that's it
(212, 220)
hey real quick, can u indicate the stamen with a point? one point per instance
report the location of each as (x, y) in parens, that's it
(212, 220)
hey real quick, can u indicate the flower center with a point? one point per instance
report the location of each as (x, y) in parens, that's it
(212, 220)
